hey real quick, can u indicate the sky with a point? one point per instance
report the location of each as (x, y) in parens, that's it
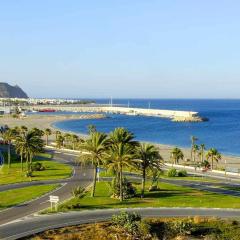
(121, 48)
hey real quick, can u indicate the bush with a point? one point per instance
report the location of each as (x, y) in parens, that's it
(182, 173)
(38, 166)
(172, 172)
(128, 190)
(183, 227)
(205, 164)
(78, 192)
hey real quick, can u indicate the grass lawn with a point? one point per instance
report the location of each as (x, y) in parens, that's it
(169, 196)
(13, 197)
(53, 170)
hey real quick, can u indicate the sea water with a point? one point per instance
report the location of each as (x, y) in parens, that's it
(222, 131)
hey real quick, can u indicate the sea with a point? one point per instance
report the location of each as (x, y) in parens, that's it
(222, 131)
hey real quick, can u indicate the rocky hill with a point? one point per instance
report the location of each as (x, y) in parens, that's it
(8, 91)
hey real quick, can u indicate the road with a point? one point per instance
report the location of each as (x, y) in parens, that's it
(20, 218)
(32, 225)
(81, 177)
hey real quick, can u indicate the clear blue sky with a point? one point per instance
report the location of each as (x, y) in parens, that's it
(121, 48)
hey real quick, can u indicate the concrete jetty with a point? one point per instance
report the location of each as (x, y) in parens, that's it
(175, 115)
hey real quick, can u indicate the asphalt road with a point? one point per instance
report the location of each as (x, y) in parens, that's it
(81, 177)
(33, 225)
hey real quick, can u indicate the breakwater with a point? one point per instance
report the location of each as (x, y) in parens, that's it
(175, 115)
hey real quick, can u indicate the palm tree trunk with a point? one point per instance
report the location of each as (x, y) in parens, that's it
(143, 182)
(22, 162)
(46, 140)
(212, 162)
(94, 181)
(120, 184)
(9, 155)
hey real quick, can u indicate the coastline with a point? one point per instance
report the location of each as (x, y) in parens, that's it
(48, 121)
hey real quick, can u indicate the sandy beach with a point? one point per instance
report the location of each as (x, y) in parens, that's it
(46, 121)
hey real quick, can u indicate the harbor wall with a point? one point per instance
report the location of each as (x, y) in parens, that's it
(120, 110)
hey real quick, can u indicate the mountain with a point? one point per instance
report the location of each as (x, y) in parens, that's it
(8, 91)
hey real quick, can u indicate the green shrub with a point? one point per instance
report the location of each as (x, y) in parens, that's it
(38, 166)
(78, 192)
(182, 173)
(183, 227)
(128, 190)
(172, 172)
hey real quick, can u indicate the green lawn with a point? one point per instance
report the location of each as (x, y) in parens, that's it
(169, 196)
(13, 197)
(53, 170)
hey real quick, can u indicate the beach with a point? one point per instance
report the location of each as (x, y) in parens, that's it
(47, 121)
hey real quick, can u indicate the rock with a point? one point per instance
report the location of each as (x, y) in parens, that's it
(189, 119)
(8, 91)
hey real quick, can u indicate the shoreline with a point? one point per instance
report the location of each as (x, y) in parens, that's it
(48, 121)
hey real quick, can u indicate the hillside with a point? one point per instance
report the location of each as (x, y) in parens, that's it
(8, 91)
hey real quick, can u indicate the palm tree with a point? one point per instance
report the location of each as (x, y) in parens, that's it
(92, 151)
(193, 140)
(120, 152)
(57, 133)
(202, 147)
(8, 135)
(91, 128)
(214, 155)
(20, 150)
(67, 138)
(119, 156)
(74, 140)
(195, 150)
(38, 131)
(121, 135)
(177, 154)
(149, 158)
(59, 141)
(29, 144)
(23, 129)
(47, 132)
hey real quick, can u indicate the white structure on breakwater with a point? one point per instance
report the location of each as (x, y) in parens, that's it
(175, 115)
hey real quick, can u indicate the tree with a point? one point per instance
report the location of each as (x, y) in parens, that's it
(8, 135)
(122, 135)
(119, 156)
(57, 133)
(214, 155)
(120, 152)
(92, 151)
(23, 129)
(74, 140)
(29, 144)
(91, 128)
(149, 159)
(47, 132)
(59, 141)
(38, 131)
(67, 139)
(193, 140)
(176, 155)
(202, 148)
(195, 150)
